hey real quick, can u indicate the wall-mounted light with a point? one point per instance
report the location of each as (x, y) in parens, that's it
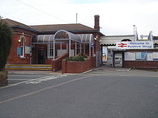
(22, 37)
(96, 38)
(19, 40)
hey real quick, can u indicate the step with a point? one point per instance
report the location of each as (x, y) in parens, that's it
(28, 67)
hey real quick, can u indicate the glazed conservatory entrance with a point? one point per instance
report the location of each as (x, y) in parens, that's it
(48, 47)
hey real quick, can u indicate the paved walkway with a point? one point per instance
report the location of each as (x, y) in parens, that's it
(34, 72)
(104, 67)
(100, 68)
(108, 67)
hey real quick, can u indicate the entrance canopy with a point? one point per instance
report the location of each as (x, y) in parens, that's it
(62, 35)
(43, 39)
(65, 42)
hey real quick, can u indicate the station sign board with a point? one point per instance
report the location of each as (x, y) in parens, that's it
(135, 45)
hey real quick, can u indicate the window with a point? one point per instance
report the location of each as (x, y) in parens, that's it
(50, 51)
(22, 46)
(61, 35)
(21, 49)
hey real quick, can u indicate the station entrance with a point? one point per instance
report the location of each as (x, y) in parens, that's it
(118, 59)
(48, 47)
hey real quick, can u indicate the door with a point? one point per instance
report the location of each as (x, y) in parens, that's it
(118, 59)
(41, 55)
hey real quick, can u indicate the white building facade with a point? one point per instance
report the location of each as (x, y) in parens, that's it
(129, 51)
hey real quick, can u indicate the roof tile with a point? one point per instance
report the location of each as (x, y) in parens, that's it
(77, 27)
(15, 23)
(68, 27)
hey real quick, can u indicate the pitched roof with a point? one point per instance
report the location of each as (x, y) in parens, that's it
(15, 23)
(75, 28)
(69, 27)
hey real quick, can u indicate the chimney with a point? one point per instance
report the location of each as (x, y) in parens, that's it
(96, 22)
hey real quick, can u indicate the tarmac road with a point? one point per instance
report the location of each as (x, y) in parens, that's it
(101, 93)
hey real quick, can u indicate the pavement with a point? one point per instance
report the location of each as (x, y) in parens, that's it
(34, 72)
(104, 68)
(109, 68)
(103, 92)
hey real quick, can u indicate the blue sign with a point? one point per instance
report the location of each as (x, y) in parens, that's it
(19, 51)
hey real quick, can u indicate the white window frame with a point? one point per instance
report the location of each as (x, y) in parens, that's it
(50, 51)
(22, 45)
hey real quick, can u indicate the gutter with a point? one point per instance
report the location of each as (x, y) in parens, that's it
(25, 28)
(53, 32)
(72, 31)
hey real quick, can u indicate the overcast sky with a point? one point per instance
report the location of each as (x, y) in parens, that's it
(117, 17)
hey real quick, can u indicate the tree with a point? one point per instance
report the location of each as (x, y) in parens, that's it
(5, 42)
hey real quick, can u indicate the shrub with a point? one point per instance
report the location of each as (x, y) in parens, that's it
(68, 59)
(76, 58)
(5, 43)
(82, 54)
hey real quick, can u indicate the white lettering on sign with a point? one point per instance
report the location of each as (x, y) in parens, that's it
(135, 45)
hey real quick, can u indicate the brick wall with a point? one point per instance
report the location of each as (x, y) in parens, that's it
(48, 61)
(141, 64)
(78, 66)
(57, 63)
(13, 58)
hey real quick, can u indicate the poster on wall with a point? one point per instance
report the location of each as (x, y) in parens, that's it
(130, 56)
(141, 56)
(19, 51)
(138, 55)
(155, 56)
(27, 49)
(150, 56)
